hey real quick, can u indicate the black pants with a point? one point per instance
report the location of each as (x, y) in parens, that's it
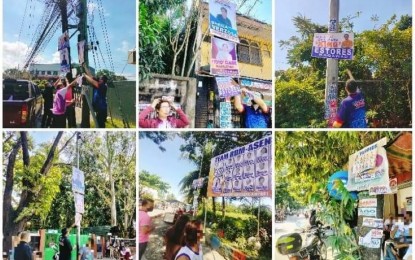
(141, 249)
(101, 115)
(47, 117)
(59, 121)
(70, 116)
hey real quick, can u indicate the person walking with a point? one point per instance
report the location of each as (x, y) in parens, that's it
(145, 226)
(23, 250)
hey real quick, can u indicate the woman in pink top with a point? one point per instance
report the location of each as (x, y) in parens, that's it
(59, 104)
(163, 119)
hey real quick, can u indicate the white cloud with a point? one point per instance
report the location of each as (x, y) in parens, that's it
(56, 57)
(125, 47)
(14, 54)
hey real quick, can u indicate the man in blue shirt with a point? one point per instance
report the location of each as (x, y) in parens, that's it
(256, 115)
(352, 111)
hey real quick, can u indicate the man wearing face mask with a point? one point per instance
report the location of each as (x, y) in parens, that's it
(256, 115)
(145, 225)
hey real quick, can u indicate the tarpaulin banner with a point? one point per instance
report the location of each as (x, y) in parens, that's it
(333, 45)
(242, 172)
(222, 19)
(223, 59)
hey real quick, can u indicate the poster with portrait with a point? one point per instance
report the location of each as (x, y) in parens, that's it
(222, 19)
(333, 46)
(372, 170)
(64, 60)
(227, 87)
(63, 41)
(225, 116)
(78, 181)
(81, 51)
(224, 60)
(250, 177)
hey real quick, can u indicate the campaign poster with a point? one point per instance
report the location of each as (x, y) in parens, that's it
(64, 60)
(333, 46)
(225, 115)
(63, 41)
(78, 181)
(372, 222)
(222, 19)
(367, 212)
(227, 87)
(243, 171)
(223, 60)
(79, 203)
(81, 51)
(363, 177)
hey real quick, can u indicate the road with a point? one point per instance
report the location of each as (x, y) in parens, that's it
(293, 224)
(156, 247)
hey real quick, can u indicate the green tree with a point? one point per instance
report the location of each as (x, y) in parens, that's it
(146, 179)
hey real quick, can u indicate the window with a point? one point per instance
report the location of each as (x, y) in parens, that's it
(255, 52)
(243, 51)
(55, 73)
(49, 72)
(249, 53)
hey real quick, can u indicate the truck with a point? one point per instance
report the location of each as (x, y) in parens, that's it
(22, 103)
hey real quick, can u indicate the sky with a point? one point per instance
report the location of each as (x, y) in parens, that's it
(120, 21)
(318, 12)
(262, 11)
(168, 165)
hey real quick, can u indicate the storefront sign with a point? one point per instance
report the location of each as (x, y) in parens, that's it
(227, 87)
(368, 203)
(333, 45)
(368, 212)
(372, 222)
(243, 171)
(223, 61)
(222, 19)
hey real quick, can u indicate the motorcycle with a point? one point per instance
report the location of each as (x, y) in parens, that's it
(308, 245)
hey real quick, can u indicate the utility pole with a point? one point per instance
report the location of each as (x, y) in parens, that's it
(83, 35)
(332, 71)
(78, 228)
(65, 26)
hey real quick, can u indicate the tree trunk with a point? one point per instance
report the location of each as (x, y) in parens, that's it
(113, 204)
(8, 212)
(223, 207)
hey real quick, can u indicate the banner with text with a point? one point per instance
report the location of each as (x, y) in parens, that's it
(227, 87)
(78, 181)
(333, 46)
(222, 19)
(242, 172)
(223, 61)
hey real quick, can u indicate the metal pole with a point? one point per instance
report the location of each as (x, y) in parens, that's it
(78, 228)
(332, 71)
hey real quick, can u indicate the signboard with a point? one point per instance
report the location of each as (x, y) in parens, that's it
(368, 212)
(372, 222)
(361, 177)
(81, 51)
(256, 84)
(78, 218)
(393, 184)
(225, 117)
(223, 61)
(222, 19)
(243, 171)
(333, 46)
(227, 87)
(331, 102)
(198, 183)
(64, 60)
(79, 203)
(369, 243)
(368, 203)
(78, 181)
(63, 41)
